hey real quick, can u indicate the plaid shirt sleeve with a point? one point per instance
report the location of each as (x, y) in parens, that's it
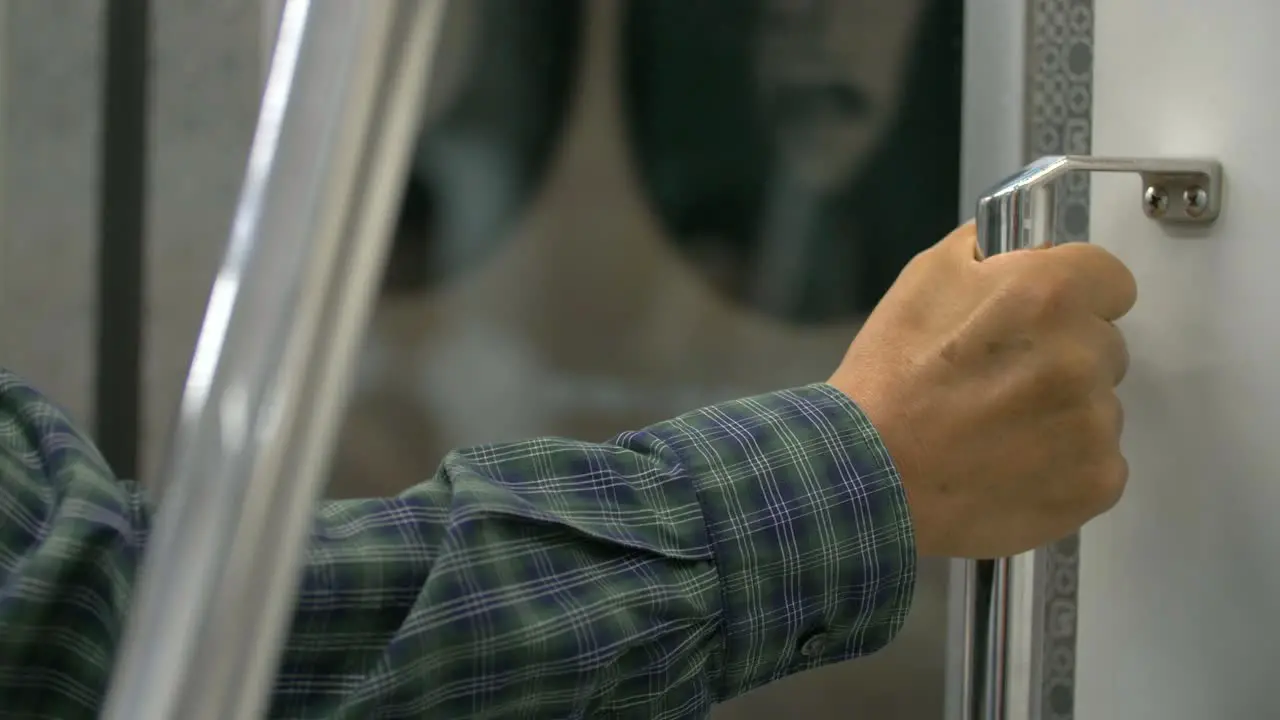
(648, 577)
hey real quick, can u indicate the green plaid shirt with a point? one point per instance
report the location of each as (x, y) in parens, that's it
(648, 577)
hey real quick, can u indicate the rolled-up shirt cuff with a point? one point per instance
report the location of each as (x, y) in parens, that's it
(810, 529)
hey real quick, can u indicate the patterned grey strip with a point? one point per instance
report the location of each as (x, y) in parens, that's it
(1059, 115)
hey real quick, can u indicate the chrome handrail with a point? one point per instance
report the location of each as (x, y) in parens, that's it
(269, 375)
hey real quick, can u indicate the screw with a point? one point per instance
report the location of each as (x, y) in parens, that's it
(1155, 201)
(1196, 200)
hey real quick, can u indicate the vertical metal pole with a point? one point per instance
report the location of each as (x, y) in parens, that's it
(270, 371)
(997, 638)
(992, 146)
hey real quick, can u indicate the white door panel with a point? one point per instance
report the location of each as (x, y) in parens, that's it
(1173, 599)
(1179, 584)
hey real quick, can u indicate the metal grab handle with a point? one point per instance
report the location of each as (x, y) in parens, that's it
(1001, 622)
(1017, 214)
(268, 379)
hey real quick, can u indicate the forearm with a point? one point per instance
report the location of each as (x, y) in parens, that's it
(678, 565)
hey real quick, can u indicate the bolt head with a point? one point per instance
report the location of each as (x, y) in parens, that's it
(1155, 201)
(1196, 200)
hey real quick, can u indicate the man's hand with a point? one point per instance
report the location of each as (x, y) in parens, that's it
(992, 384)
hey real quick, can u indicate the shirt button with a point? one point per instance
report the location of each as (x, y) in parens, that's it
(814, 645)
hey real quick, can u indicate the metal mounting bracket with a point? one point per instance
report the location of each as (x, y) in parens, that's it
(1017, 213)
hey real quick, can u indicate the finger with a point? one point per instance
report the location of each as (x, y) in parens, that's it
(1111, 413)
(1112, 349)
(1098, 278)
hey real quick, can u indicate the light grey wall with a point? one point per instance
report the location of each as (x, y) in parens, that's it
(50, 125)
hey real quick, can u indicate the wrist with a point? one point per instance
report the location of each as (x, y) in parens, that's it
(887, 419)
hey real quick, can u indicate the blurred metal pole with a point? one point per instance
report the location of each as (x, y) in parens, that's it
(271, 368)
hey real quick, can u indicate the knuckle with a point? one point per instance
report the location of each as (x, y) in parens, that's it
(1044, 294)
(1078, 367)
(1099, 431)
(1120, 282)
(1040, 299)
(1120, 352)
(1110, 417)
(1106, 467)
(919, 264)
(1111, 478)
(1071, 371)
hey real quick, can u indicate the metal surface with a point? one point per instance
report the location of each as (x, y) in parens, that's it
(1003, 613)
(1016, 214)
(994, 128)
(269, 375)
